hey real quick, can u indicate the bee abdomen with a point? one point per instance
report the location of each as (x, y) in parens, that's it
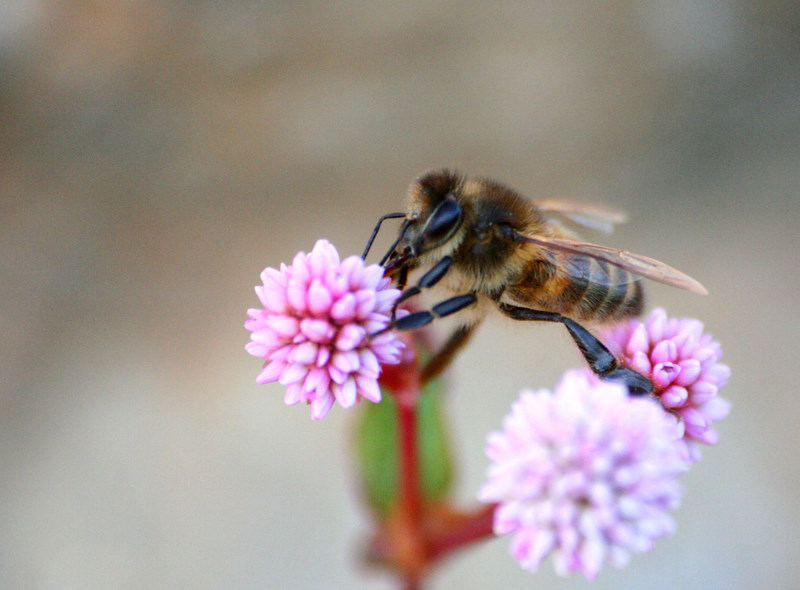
(611, 294)
(582, 288)
(603, 293)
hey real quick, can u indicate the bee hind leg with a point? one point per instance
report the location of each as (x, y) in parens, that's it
(599, 358)
(440, 361)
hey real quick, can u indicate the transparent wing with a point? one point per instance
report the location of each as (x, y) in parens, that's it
(585, 260)
(597, 217)
(583, 269)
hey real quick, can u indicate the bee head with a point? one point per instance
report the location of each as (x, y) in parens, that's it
(434, 212)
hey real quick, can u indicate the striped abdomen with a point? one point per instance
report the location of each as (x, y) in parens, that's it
(580, 287)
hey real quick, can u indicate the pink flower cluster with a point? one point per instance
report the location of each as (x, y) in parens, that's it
(682, 362)
(314, 329)
(587, 474)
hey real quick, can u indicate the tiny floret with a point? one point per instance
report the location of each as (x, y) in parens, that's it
(316, 329)
(682, 362)
(586, 473)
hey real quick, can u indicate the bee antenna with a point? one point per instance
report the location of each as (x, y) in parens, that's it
(402, 235)
(377, 229)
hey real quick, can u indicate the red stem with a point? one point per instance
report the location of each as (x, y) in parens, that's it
(409, 458)
(420, 535)
(410, 500)
(476, 527)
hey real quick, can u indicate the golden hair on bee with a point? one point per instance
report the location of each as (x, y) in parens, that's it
(492, 248)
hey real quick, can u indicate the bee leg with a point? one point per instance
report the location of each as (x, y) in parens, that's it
(599, 358)
(602, 362)
(439, 362)
(418, 319)
(429, 279)
(458, 338)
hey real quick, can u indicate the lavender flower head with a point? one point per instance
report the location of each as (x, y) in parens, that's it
(587, 474)
(682, 362)
(314, 329)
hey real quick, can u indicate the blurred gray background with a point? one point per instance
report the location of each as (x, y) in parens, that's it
(156, 155)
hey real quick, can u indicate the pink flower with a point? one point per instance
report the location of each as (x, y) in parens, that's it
(314, 329)
(587, 474)
(682, 362)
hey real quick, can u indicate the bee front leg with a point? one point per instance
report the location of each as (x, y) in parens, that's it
(429, 279)
(418, 319)
(599, 358)
(439, 361)
(458, 338)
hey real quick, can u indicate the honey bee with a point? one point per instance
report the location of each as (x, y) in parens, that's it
(491, 248)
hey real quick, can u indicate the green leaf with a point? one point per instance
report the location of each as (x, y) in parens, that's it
(377, 450)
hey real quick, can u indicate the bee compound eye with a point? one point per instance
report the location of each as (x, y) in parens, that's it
(444, 221)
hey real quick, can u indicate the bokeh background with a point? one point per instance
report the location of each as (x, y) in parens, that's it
(155, 155)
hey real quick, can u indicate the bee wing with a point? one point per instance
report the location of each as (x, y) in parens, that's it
(596, 217)
(637, 264)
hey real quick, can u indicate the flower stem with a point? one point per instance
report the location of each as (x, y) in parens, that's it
(412, 582)
(420, 531)
(409, 456)
(473, 528)
(410, 498)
